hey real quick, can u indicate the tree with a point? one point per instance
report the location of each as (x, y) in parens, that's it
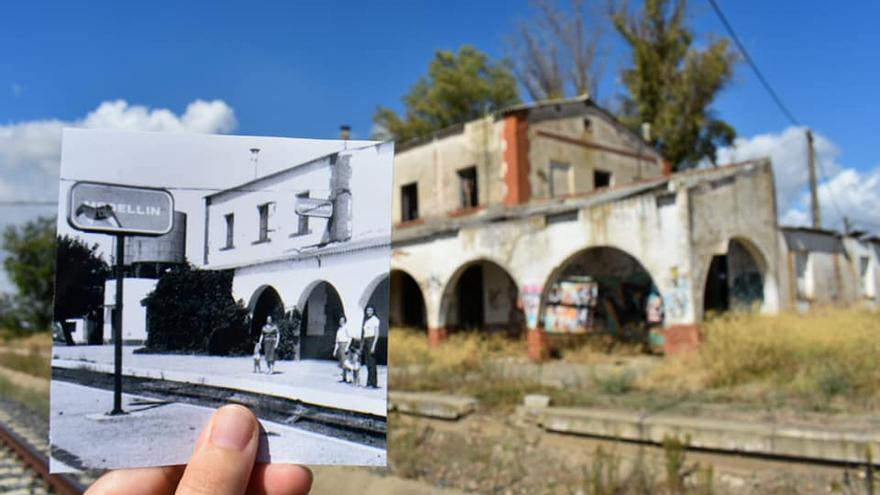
(80, 277)
(206, 320)
(458, 87)
(30, 265)
(559, 52)
(672, 85)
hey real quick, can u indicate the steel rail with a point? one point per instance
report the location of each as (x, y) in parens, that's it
(62, 484)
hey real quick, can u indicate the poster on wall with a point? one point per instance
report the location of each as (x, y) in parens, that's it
(198, 270)
(571, 306)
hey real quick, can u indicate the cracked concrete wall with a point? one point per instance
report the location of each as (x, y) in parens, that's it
(563, 141)
(737, 206)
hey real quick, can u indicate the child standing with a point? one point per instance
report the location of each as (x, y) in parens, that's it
(257, 357)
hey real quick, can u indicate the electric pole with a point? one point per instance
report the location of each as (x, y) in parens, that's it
(814, 192)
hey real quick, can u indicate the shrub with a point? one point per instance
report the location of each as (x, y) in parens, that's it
(192, 310)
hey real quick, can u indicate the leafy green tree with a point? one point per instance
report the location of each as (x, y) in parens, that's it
(80, 277)
(672, 84)
(458, 87)
(30, 265)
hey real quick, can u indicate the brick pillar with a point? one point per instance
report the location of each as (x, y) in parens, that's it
(437, 336)
(516, 157)
(539, 345)
(681, 338)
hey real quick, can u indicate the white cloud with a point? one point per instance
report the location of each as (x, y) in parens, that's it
(846, 191)
(30, 152)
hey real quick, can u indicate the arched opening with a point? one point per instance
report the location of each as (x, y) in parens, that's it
(320, 320)
(265, 302)
(406, 305)
(379, 299)
(601, 289)
(735, 281)
(482, 295)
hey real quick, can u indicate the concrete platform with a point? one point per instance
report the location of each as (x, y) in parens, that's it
(312, 381)
(773, 439)
(158, 433)
(432, 405)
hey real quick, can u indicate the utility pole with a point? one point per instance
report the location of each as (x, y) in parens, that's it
(814, 192)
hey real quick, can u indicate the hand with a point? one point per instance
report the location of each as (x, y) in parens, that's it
(222, 464)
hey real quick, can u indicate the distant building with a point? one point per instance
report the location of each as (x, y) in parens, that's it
(829, 268)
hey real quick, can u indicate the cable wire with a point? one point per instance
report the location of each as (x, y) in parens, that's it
(752, 64)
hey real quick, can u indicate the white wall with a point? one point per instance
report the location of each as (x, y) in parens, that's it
(134, 315)
(370, 184)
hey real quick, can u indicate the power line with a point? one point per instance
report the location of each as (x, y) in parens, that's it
(752, 64)
(775, 96)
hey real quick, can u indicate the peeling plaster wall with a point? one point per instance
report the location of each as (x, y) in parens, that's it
(833, 274)
(734, 206)
(434, 166)
(544, 150)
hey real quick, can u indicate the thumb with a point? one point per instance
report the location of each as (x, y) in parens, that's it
(224, 458)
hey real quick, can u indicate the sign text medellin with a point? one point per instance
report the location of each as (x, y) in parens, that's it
(118, 209)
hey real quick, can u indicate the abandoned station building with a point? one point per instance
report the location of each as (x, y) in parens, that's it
(556, 219)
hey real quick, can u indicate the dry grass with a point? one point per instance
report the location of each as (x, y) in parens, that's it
(463, 352)
(826, 354)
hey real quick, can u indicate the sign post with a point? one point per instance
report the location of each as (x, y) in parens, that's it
(119, 211)
(117, 329)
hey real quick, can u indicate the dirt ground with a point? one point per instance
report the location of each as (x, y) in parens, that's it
(494, 454)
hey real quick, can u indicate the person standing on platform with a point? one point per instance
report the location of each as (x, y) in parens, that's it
(343, 342)
(270, 338)
(370, 337)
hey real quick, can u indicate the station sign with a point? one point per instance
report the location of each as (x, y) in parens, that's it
(312, 207)
(120, 210)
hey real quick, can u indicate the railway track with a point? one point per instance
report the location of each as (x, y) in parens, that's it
(24, 461)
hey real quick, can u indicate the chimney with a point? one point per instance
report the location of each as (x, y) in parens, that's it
(255, 159)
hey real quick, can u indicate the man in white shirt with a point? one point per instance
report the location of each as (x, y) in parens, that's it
(370, 337)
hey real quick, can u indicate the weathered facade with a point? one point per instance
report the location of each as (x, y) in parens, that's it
(554, 218)
(827, 268)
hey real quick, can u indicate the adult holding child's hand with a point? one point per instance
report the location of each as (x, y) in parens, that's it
(223, 463)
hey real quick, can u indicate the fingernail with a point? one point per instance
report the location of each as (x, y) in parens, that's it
(233, 428)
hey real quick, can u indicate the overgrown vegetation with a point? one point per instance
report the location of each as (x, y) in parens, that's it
(33, 363)
(820, 357)
(824, 361)
(35, 400)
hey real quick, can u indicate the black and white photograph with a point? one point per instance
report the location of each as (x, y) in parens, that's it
(200, 270)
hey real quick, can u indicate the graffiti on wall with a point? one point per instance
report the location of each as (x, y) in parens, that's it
(531, 303)
(678, 298)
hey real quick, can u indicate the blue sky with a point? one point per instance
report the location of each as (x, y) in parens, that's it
(303, 68)
(300, 68)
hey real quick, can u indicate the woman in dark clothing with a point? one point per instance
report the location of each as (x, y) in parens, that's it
(270, 338)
